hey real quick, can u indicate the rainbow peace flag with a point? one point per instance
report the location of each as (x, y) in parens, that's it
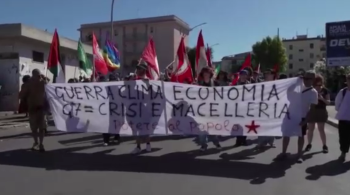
(111, 56)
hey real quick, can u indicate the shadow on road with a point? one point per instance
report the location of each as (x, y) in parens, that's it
(331, 168)
(29, 135)
(69, 159)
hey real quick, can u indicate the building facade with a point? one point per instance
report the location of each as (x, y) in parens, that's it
(303, 52)
(229, 63)
(131, 37)
(23, 46)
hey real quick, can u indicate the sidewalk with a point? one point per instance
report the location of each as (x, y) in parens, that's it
(331, 116)
(10, 120)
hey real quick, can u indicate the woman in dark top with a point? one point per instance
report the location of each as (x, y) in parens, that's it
(318, 115)
(222, 79)
(206, 76)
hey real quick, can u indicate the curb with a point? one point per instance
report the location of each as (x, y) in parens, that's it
(332, 122)
(9, 126)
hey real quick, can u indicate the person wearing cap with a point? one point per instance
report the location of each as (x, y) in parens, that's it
(141, 71)
(35, 95)
(206, 76)
(243, 80)
(342, 106)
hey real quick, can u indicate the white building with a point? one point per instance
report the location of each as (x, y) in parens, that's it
(303, 52)
(131, 37)
(21, 44)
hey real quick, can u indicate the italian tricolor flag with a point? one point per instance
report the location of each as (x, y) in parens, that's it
(54, 62)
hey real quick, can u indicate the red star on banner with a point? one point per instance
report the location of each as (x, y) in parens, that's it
(252, 127)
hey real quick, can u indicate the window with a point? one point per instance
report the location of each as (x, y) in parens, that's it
(9, 56)
(134, 31)
(301, 60)
(115, 32)
(323, 55)
(311, 65)
(301, 50)
(290, 56)
(38, 56)
(290, 47)
(151, 29)
(290, 66)
(134, 47)
(311, 55)
(311, 45)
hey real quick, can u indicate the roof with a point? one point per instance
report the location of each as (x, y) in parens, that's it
(304, 38)
(139, 20)
(236, 56)
(21, 30)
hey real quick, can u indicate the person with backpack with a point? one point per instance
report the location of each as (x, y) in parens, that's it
(342, 106)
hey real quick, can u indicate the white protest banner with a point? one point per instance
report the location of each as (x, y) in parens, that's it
(165, 108)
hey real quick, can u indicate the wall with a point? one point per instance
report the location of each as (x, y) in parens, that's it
(308, 55)
(11, 80)
(166, 35)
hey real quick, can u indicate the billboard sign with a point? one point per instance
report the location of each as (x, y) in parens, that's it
(338, 43)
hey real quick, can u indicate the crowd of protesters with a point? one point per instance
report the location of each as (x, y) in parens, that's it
(315, 99)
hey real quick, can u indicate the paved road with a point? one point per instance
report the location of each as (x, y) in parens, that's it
(77, 164)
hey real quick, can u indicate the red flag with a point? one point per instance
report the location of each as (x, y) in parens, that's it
(150, 57)
(247, 62)
(276, 70)
(208, 52)
(235, 79)
(257, 68)
(182, 71)
(100, 65)
(201, 54)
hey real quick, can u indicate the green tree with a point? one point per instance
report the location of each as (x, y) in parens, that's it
(334, 76)
(191, 53)
(268, 52)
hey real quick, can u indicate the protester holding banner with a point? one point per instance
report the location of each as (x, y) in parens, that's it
(222, 78)
(309, 100)
(106, 136)
(206, 76)
(243, 80)
(342, 105)
(319, 114)
(263, 141)
(141, 70)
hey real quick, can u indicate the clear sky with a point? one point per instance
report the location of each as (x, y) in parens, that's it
(234, 24)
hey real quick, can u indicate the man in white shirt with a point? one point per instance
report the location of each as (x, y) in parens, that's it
(342, 105)
(309, 99)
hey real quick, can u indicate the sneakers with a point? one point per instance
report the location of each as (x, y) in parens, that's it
(41, 148)
(342, 158)
(204, 147)
(35, 147)
(138, 149)
(325, 149)
(308, 147)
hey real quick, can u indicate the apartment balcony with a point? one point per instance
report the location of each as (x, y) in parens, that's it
(136, 37)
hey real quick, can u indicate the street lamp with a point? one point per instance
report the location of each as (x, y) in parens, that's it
(201, 24)
(112, 32)
(216, 44)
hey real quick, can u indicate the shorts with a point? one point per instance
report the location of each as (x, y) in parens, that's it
(304, 127)
(317, 116)
(37, 120)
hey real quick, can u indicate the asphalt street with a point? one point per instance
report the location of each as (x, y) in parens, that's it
(78, 164)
